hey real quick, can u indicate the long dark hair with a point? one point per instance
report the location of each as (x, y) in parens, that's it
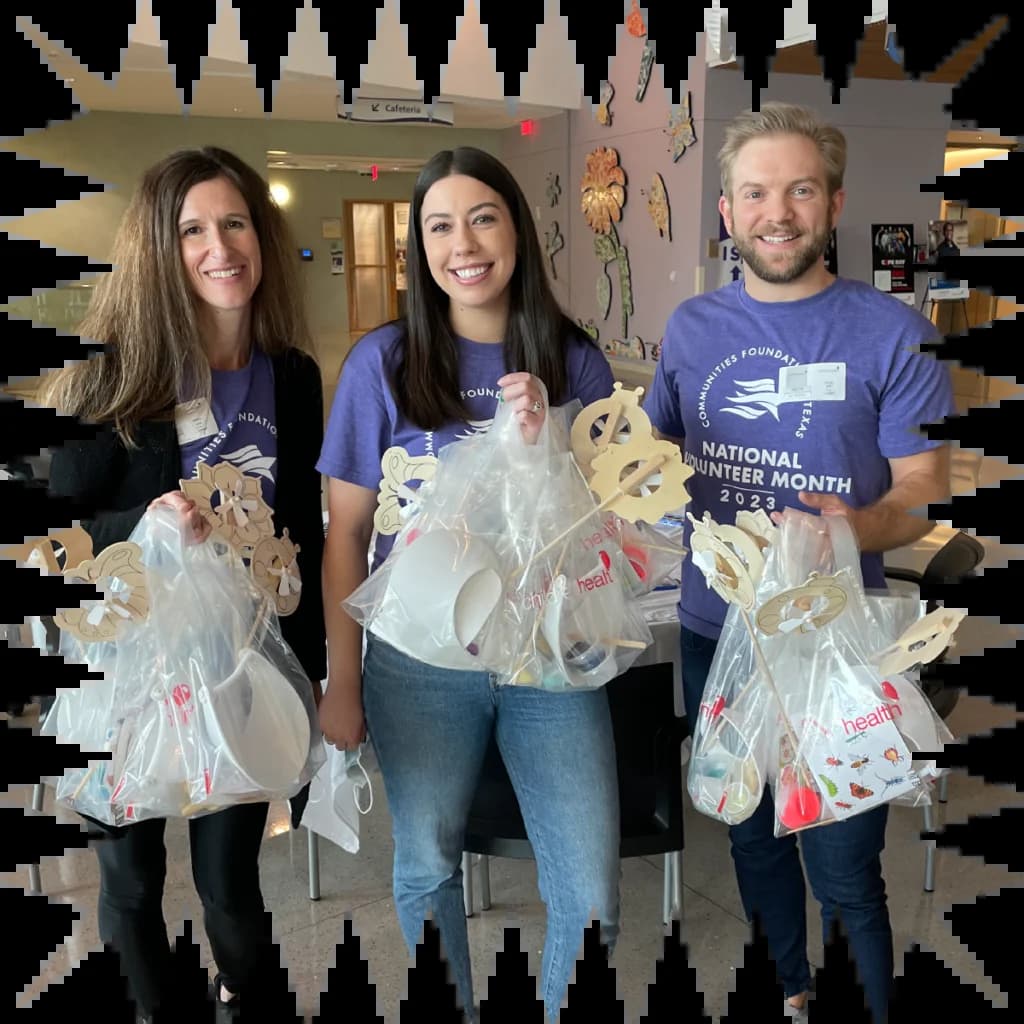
(425, 378)
(145, 311)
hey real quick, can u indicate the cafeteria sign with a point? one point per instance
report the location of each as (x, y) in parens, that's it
(395, 111)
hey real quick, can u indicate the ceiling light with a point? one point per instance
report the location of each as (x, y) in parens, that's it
(277, 152)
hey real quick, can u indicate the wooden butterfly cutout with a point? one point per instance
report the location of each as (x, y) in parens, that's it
(680, 128)
(399, 468)
(125, 597)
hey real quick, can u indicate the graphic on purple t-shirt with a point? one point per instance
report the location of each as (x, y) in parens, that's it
(243, 406)
(773, 398)
(365, 421)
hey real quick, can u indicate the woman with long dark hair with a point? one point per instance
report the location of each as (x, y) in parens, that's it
(482, 326)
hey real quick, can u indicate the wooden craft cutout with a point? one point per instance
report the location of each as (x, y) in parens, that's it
(635, 21)
(554, 189)
(103, 622)
(725, 571)
(275, 568)
(772, 618)
(553, 243)
(655, 487)
(657, 206)
(604, 295)
(398, 468)
(604, 115)
(759, 526)
(623, 420)
(232, 503)
(72, 547)
(646, 64)
(922, 642)
(680, 128)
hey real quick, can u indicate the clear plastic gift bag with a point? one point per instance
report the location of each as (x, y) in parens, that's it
(806, 696)
(486, 574)
(853, 736)
(200, 704)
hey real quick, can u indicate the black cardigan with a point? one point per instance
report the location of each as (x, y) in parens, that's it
(120, 482)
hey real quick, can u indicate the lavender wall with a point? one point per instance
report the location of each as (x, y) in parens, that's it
(896, 133)
(662, 271)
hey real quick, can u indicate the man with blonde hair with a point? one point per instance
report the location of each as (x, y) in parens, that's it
(840, 437)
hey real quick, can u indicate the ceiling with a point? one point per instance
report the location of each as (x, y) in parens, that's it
(874, 62)
(227, 87)
(335, 162)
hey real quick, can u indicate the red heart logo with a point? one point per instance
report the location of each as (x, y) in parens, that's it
(890, 691)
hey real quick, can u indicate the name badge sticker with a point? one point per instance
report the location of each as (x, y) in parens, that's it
(813, 382)
(194, 420)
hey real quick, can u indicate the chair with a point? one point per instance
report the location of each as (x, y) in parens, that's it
(955, 560)
(648, 740)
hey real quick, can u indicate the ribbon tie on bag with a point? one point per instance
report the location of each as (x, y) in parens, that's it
(705, 561)
(290, 581)
(234, 502)
(802, 618)
(112, 604)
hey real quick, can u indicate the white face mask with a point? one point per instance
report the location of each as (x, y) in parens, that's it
(352, 761)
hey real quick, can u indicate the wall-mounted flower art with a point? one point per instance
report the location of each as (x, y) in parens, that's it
(680, 128)
(603, 196)
(603, 189)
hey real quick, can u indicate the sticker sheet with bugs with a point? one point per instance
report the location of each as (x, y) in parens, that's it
(856, 752)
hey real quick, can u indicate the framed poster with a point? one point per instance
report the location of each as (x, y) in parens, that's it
(330, 227)
(946, 238)
(892, 256)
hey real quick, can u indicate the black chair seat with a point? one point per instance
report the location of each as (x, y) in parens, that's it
(954, 561)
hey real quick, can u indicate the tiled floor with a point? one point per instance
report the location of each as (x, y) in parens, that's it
(713, 923)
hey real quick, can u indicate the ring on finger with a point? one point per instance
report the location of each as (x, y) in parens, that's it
(537, 406)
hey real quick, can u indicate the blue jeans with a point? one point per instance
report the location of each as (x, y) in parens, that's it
(843, 862)
(430, 728)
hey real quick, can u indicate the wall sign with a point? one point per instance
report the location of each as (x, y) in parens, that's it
(892, 257)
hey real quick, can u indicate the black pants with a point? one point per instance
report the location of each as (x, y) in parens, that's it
(225, 867)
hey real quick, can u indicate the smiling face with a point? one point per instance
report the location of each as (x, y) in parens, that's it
(780, 215)
(219, 247)
(469, 241)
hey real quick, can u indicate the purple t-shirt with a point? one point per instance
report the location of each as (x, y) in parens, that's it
(777, 397)
(365, 421)
(243, 406)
